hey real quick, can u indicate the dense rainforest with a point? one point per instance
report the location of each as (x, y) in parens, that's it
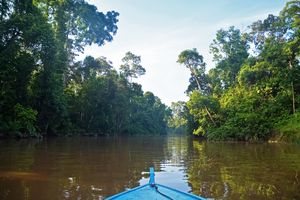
(253, 92)
(46, 91)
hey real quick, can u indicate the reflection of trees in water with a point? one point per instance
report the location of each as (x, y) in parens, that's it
(244, 171)
(68, 168)
(178, 149)
(82, 167)
(201, 169)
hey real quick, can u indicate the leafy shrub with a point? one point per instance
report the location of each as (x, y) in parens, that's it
(23, 124)
(289, 129)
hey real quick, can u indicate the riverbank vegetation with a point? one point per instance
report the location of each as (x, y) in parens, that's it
(288, 130)
(254, 89)
(44, 90)
(252, 93)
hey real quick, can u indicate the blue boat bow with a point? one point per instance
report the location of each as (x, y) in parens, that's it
(154, 191)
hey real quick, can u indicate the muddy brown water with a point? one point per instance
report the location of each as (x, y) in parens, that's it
(94, 168)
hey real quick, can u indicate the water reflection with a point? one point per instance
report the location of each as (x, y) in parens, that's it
(245, 171)
(94, 168)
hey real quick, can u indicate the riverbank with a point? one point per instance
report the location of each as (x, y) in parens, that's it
(288, 130)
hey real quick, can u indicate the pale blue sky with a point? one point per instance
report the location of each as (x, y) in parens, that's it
(158, 30)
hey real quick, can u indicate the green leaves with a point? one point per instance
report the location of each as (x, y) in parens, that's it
(131, 67)
(39, 41)
(101, 101)
(24, 122)
(204, 109)
(178, 110)
(230, 50)
(247, 96)
(191, 59)
(78, 23)
(90, 26)
(260, 72)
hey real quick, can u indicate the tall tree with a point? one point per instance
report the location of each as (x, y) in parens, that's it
(178, 119)
(271, 27)
(200, 107)
(38, 42)
(27, 52)
(76, 24)
(230, 50)
(194, 62)
(131, 67)
(290, 14)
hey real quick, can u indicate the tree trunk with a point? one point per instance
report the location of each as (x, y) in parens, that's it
(213, 121)
(199, 88)
(293, 98)
(194, 73)
(293, 92)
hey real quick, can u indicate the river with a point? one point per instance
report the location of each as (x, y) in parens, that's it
(94, 168)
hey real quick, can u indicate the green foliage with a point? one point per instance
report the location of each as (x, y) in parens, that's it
(28, 56)
(248, 96)
(132, 67)
(249, 114)
(289, 129)
(78, 23)
(204, 109)
(250, 75)
(261, 30)
(23, 123)
(44, 91)
(192, 60)
(230, 50)
(147, 116)
(105, 102)
(178, 110)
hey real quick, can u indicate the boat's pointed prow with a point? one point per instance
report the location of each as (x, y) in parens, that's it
(153, 190)
(152, 175)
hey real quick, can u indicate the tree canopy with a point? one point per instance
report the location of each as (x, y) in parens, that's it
(46, 91)
(253, 90)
